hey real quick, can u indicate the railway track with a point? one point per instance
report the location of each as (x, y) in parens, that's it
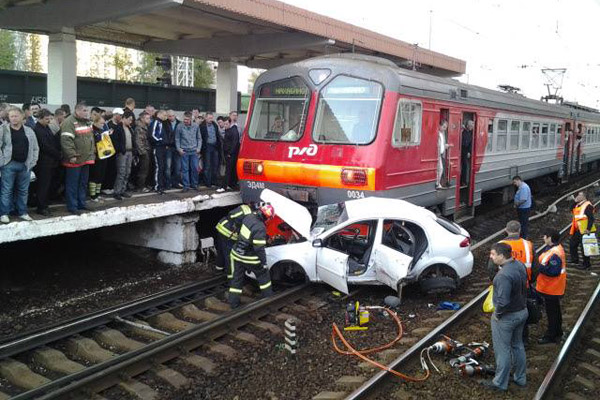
(110, 348)
(546, 364)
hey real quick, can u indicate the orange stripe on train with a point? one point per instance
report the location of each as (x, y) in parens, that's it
(319, 175)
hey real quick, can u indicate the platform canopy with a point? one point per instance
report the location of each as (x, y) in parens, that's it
(256, 33)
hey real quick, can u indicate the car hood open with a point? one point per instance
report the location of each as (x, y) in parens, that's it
(294, 214)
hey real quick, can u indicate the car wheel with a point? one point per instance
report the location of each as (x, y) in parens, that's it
(288, 272)
(442, 284)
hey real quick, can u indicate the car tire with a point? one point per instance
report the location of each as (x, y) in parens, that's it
(442, 284)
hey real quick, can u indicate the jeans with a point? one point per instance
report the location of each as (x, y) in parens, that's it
(123, 171)
(15, 187)
(173, 167)
(76, 181)
(507, 337)
(189, 168)
(523, 214)
(211, 165)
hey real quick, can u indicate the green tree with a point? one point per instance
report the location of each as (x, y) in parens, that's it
(147, 71)
(7, 49)
(204, 74)
(124, 70)
(252, 79)
(35, 53)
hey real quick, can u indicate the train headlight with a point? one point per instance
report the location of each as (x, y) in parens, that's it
(253, 167)
(354, 176)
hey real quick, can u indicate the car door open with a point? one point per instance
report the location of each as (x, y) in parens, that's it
(332, 267)
(390, 265)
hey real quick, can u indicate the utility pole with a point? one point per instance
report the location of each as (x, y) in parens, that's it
(430, 25)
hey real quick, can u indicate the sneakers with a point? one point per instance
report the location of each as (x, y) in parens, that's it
(178, 185)
(95, 199)
(146, 190)
(25, 217)
(107, 191)
(220, 190)
(4, 219)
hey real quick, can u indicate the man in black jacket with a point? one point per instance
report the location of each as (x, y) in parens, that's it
(48, 162)
(124, 146)
(211, 149)
(231, 149)
(173, 157)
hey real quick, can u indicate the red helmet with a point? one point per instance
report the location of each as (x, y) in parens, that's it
(267, 211)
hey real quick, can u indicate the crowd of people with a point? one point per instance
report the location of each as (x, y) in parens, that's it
(92, 153)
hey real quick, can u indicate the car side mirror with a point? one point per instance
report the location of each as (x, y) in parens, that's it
(317, 243)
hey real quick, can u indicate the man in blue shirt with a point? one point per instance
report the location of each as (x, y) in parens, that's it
(522, 204)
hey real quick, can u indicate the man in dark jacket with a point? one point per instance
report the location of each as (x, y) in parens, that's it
(231, 149)
(465, 153)
(124, 146)
(156, 135)
(48, 161)
(211, 148)
(508, 319)
(173, 157)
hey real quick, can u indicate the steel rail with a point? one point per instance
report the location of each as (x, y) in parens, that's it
(40, 337)
(106, 374)
(471, 306)
(560, 362)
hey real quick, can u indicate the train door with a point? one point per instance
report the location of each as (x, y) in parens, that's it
(444, 161)
(567, 151)
(577, 148)
(467, 144)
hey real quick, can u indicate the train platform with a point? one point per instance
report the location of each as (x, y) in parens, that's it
(112, 212)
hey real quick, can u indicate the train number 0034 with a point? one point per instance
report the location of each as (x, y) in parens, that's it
(355, 194)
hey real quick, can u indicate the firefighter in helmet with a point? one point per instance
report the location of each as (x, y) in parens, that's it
(228, 229)
(248, 254)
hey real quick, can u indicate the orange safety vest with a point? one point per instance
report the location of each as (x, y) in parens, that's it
(522, 250)
(580, 219)
(553, 285)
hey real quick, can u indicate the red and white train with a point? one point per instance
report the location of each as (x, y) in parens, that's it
(341, 127)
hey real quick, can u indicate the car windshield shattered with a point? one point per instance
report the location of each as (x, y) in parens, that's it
(329, 216)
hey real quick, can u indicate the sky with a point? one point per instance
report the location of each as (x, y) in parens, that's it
(503, 42)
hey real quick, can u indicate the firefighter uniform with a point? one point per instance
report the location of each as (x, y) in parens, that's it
(248, 254)
(551, 284)
(583, 219)
(228, 229)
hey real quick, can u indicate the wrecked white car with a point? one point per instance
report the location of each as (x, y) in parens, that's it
(370, 241)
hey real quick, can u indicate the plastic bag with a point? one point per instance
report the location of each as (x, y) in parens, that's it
(488, 304)
(105, 147)
(590, 245)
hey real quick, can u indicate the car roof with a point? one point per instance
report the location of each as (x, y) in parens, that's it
(379, 207)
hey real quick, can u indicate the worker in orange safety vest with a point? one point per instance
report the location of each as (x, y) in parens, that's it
(582, 224)
(551, 284)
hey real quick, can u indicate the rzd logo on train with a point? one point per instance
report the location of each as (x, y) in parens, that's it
(297, 151)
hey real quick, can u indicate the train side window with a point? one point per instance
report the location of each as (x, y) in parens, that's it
(552, 136)
(514, 135)
(535, 136)
(544, 136)
(490, 137)
(407, 128)
(559, 136)
(501, 135)
(525, 135)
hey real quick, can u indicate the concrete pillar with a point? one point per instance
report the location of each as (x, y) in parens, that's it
(62, 68)
(175, 237)
(227, 78)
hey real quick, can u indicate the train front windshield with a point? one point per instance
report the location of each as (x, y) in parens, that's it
(279, 112)
(348, 111)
